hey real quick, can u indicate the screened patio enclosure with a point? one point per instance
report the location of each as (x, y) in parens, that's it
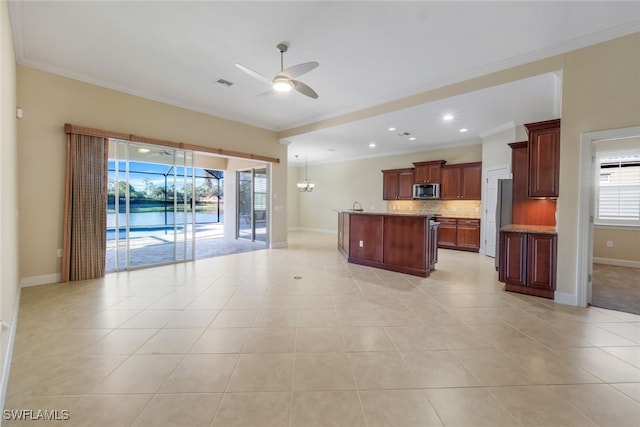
(162, 208)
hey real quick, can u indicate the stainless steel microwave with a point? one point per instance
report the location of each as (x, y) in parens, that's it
(426, 191)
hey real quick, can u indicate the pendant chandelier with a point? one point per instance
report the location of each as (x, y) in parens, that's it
(305, 186)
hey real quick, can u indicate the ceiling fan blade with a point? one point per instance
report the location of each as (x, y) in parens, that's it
(300, 69)
(254, 74)
(304, 89)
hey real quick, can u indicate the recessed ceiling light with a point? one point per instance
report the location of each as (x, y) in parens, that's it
(413, 138)
(463, 130)
(143, 150)
(391, 129)
(372, 145)
(447, 117)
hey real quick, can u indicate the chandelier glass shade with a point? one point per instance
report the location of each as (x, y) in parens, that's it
(305, 186)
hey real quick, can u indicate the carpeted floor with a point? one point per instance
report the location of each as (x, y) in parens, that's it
(616, 288)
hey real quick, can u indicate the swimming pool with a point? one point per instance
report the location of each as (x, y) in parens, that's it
(159, 230)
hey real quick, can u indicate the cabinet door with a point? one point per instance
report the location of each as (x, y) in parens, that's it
(434, 173)
(513, 256)
(468, 235)
(447, 232)
(390, 185)
(471, 182)
(451, 179)
(428, 172)
(541, 268)
(405, 184)
(544, 160)
(421, 174)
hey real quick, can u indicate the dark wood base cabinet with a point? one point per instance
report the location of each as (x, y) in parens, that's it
(528, 263)
(403, 243)
(459, 233)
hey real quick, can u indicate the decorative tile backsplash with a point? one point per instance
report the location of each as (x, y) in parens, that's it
(451, 208)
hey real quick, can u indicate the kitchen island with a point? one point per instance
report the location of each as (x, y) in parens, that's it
(406, 243)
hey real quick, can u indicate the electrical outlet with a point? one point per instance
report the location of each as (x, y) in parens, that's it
(59, 253)
(361, 244)
(609, 243)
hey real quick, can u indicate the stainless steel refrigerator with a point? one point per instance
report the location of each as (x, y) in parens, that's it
(503, 211)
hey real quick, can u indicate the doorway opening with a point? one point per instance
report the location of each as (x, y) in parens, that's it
(586, 212)
(165, 206)
(616, 231)
(252, 204)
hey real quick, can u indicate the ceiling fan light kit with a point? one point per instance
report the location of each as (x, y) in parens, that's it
(283, 81)
(282, 84)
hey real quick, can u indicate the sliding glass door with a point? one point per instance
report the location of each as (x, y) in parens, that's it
(252, 204)
(150, 215)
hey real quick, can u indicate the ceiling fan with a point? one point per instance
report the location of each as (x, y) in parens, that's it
(284, 80)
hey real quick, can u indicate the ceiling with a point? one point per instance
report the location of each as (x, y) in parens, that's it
(369, 53)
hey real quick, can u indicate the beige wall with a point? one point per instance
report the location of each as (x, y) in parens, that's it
(49, 101)
(626, 244)
(600, 91)
(339, 185)
(496, 151)
(9, 266)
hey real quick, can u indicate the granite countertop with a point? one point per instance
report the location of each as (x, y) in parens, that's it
(351, 211)
(524, 228)
(456, 217)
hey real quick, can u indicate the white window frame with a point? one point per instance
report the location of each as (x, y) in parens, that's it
(611, 221)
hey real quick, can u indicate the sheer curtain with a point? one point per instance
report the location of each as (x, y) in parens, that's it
(85, 211)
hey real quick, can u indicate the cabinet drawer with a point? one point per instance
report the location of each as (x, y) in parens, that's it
(469, 222)
(452, 222)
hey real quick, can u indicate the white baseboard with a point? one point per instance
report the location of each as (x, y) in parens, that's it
(45, 279)
(618, 262)
(277, 245)
(565, 298)
(319, 230)
(6, 366)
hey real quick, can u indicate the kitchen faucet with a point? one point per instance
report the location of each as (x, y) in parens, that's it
(353, 208)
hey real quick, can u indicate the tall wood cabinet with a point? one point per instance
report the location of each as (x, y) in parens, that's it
(397, 184)
(544, 158)
(461, 181)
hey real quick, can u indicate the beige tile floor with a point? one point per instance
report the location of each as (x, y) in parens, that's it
(239, 341)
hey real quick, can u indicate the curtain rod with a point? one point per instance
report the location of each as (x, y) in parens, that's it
(101, 133)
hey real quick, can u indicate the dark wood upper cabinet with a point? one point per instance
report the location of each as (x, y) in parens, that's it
(397, 184)
(405, 184)
(472, 182)
(451, 180)
(527, 210)
(544, 158)
(428, 172)
(461, 181)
